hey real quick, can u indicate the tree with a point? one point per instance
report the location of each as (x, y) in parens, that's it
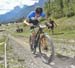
(60, 8)
(47, 8)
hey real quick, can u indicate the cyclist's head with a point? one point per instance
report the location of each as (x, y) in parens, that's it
(39, 10)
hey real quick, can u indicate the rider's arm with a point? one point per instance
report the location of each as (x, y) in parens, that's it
(26, 22)
(29, 16)
(42, 17)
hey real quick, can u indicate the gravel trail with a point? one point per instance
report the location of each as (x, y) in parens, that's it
(22, 51)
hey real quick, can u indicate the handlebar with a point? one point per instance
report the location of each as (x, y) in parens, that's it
(39, 25)
(42, 26)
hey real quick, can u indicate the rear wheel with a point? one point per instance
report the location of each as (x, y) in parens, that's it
(46, 48)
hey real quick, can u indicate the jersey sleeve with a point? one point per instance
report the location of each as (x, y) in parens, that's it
(30, 15)
(43, 15)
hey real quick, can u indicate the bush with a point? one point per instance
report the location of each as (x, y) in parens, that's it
(70, 14)
(58, 14)
(0, 24)
(19, 30)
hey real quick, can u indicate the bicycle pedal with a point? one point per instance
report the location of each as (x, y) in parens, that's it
(46, 49)
(52, 63)
(32, 52)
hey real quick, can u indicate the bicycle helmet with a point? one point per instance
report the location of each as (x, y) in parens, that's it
(39, 10)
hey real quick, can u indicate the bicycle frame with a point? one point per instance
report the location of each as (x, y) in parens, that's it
(37, 37)
(37, 41)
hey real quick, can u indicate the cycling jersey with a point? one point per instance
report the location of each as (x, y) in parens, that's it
(33, 13)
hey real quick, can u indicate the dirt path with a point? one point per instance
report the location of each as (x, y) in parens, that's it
(22, 50)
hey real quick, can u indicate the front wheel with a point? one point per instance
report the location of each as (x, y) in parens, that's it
(46, 48)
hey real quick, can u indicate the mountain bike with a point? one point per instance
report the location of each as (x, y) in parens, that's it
(42, 43)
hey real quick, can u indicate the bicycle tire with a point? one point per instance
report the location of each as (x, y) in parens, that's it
(51, 56)
(31, 43)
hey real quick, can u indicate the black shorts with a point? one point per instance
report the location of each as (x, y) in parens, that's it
(34, 22)
(51, 27)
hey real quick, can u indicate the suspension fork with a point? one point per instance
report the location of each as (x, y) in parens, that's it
(36, 41)
(37, 36)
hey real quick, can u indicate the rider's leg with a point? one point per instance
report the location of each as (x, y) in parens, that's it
(52, 29)
(31, 40)
(32, 35)
(43, 42)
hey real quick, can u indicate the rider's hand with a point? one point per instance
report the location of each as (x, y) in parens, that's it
(48, 24)
(34, 18)
(30, 24)
(41, 19)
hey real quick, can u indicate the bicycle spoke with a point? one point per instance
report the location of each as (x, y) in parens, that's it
(46, 49)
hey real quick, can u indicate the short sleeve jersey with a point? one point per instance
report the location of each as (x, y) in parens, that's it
(32, 14)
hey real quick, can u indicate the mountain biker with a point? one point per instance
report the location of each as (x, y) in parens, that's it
(33, 19)
(34, 16)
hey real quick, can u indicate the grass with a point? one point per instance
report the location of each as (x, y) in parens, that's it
(25, 33)
(1, 66)
(2, 40)
(1, 49)
(65, 29)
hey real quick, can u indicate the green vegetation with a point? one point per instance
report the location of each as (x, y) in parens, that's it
(65, 29)
(1, 49)
(62, 11)
(1, 66)
(60, 8)
(2, 40)
(12, 29)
